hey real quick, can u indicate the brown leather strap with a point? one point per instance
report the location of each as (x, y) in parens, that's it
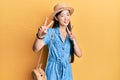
(41, 52)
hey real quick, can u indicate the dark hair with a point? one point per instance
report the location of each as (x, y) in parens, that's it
(56, 24)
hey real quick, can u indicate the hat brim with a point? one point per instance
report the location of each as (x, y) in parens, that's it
(65, 8)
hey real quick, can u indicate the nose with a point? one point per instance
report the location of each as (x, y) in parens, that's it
(66, 18)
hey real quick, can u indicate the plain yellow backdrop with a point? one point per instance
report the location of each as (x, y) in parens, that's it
(96, 25)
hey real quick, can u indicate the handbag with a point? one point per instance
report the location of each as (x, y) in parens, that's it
(38, 73)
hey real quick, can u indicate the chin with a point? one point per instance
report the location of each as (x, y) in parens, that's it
(65, 24)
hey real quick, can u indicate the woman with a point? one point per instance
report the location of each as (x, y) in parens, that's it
(61, 43)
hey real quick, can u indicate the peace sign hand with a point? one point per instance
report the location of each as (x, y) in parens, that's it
(70, 33)
(43, 29)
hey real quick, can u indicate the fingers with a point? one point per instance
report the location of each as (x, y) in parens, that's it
(44, 29)
(45, 23)
(68, 31)
(45, 26)
(50, 24)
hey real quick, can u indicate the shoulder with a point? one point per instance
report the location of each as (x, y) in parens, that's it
(50, 30)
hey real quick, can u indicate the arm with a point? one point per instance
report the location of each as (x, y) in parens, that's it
(42, 31)
(76, 47)
(38, 44)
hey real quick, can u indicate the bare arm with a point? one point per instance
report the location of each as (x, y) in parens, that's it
(39, 43)
(77, 49)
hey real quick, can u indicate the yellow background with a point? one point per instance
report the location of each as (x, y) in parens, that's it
(96, 24)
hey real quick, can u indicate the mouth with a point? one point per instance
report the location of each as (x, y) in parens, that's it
(66, 22)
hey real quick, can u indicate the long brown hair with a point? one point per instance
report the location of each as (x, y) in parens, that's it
(56, 23)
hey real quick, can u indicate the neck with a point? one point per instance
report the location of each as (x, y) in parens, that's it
(63, 28)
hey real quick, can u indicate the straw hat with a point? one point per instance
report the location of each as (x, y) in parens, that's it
(60, 7)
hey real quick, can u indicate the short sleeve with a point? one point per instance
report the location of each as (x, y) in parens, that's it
(47, 37)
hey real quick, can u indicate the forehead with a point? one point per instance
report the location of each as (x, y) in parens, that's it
(65, 12)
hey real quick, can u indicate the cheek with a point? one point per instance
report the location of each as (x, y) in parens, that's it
(61, 19)
(68, 17)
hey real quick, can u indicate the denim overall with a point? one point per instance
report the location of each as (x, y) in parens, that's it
(58, 65)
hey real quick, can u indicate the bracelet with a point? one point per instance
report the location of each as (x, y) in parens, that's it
(39, 36)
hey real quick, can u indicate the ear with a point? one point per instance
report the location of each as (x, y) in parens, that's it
(56, 18)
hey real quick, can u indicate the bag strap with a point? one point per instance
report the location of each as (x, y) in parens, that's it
(41, 52)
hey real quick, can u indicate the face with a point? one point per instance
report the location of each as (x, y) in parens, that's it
(64, 18)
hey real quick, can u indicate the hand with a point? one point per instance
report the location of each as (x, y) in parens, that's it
(43, 29)
(70, 33)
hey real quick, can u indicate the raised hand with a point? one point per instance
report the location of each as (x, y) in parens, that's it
(70, 33)
(43, 29)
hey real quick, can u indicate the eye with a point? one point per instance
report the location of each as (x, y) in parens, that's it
(61, 15)
(68, 14)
